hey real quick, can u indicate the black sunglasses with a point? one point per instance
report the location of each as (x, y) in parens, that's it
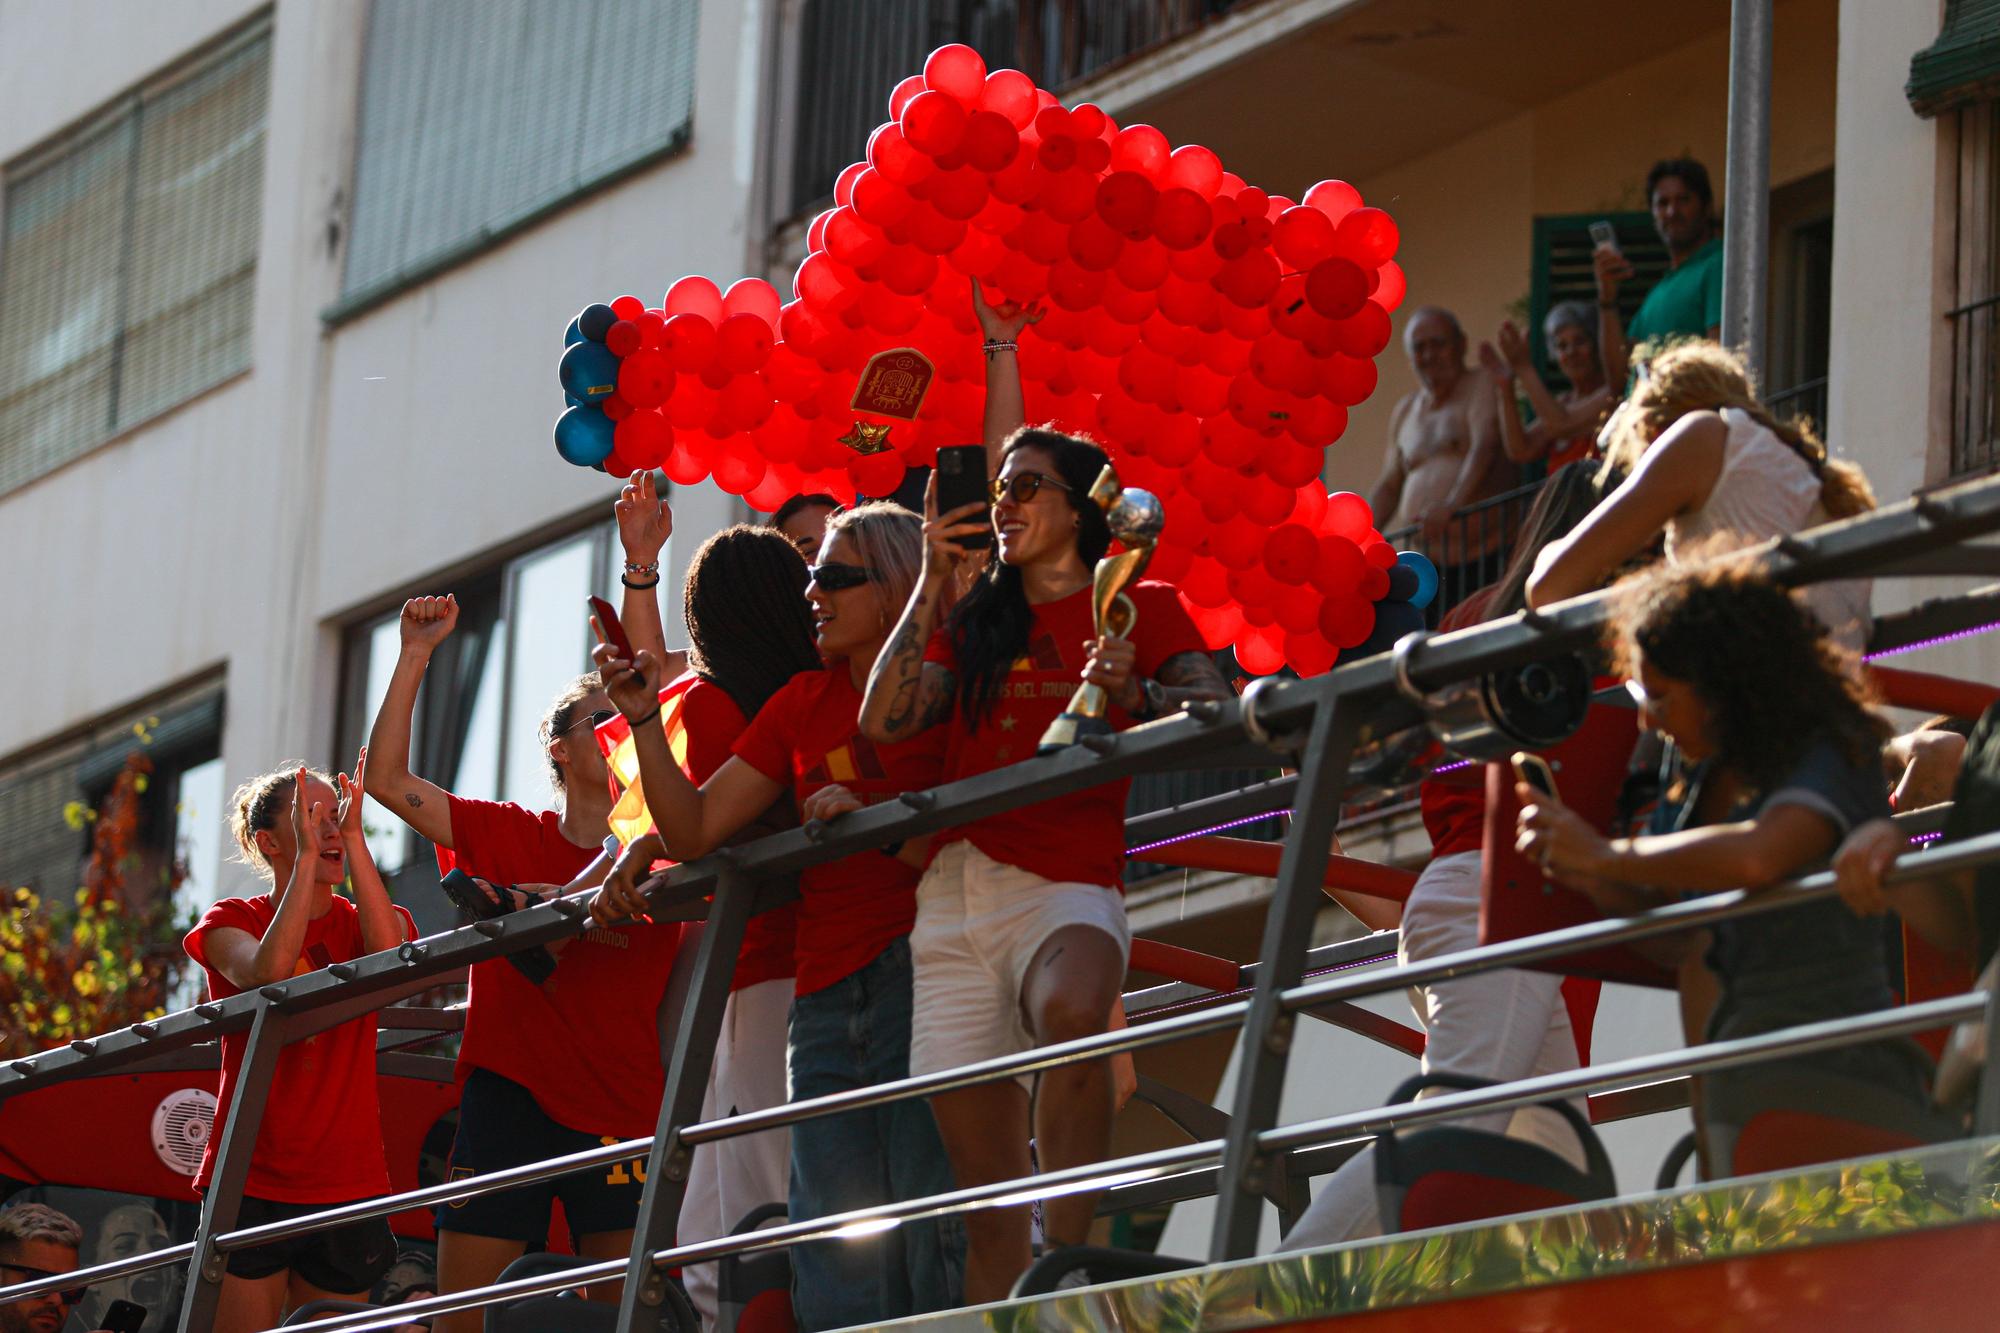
(68, 1296)
(596, 720)
(836, 577)
(1021, 487)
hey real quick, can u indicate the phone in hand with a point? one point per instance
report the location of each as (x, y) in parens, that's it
(122, 1317)
(1602, 233)
(1535, 771)
(614, 632)
(961, 480)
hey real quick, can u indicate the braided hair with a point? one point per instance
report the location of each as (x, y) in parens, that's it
(989, 627)
(749, 627)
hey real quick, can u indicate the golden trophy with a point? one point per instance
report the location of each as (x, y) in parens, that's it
(1135, 519)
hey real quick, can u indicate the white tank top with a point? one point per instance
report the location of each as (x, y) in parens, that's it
(1766, 490)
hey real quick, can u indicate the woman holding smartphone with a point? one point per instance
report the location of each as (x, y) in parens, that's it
(320, 1142)
(850, 1022)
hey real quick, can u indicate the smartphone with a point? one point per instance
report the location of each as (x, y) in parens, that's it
(614, 633)
(1603, 233)
(961, 480)
(1535, 771)
(122, 1317)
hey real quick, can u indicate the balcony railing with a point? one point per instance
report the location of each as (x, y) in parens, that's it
(1474, 548)
(1803, 401)
(853, 52)
(1975, 363)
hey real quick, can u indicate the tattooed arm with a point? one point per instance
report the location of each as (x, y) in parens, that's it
(1184, 678)
(424, 806)
(906, 694)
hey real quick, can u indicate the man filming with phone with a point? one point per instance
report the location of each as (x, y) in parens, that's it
(36, 1242)
(1687, 300)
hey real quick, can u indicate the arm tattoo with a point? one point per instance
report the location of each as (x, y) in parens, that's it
(413, 799)
(900, 660)
(1192, 676)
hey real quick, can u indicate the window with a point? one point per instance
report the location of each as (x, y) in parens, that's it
(49, 801)
(1563, 270)
(522, 635)
(128, 252)
(1975, 339)
(480, 116)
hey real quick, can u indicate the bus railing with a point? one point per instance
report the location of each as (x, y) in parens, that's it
(1316, 723)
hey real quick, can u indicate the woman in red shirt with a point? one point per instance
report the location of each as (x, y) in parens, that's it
(320, 1142)
(1021, 937)
(850, 1022)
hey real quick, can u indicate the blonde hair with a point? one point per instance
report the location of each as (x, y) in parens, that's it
(1699, 375)
(254, 808)
(890, 541)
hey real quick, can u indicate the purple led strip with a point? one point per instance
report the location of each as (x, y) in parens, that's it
(1923, 838)
(1204, 832)
(1932, 643)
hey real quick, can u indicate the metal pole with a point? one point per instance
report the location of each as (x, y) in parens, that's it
(1247, 1176)
(680, 1106)
(268, 1034)
(1746, 230)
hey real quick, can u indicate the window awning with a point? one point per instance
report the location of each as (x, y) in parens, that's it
(1963, 64)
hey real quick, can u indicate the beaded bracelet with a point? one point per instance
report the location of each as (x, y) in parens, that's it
(1001, 345)
(642, 567)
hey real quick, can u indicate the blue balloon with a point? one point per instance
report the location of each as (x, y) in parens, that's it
(573, 334)
(595, 321)
(1427, 576)
(583, 436)
(589, 372)
(1392, 621)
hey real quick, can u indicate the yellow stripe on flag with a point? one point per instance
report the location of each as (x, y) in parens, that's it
(629, 818)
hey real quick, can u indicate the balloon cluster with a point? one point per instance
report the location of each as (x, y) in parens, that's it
(1210, 335)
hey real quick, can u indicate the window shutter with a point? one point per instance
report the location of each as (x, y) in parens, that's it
(1963, 64)
(1563, 270)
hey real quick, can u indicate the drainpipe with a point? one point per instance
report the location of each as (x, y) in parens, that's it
(1746, 219)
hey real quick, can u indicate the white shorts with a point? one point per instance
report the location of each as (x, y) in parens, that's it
(979, 924)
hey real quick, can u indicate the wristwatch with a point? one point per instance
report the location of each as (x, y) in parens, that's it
(1152, 699)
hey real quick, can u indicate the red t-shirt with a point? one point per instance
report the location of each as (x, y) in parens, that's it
(1454, 803)
(1078, 838)
(808, 736)
(713, 723)
(585, 1044)
(321, 1136)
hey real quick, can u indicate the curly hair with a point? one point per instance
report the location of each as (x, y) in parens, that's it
(989, 626)
(1774, 684)
(256, 806)
(1702, 376)
(749, 627)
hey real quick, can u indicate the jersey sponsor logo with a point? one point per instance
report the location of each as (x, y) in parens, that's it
(855, 760)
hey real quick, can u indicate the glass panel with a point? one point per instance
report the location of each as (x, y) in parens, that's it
(478, 776)
(547, 643)
(388, 836)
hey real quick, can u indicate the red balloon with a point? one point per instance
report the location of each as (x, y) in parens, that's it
(694, 296)
(1074, 287)
(1192, 167)
(1368, 236)
(1347, 515)
(742, 343)
(1346, 380)
(1088, 121)
(1259, 653)
(629, 307)
(1268, 503)
(851, 241)
(1141, 149)
(1292, 464)
(1206, 584)
(1302, 237)
(1255, 586)
(688, 343)
(896, 158)
(1220, 627)
(934, 122)
(615, 407)
(1250, 279)
(1337, 565)
(738, 471)
(1125, 201)
(1308, 652)
(1375, 583)
(1181, 218)
(933, 232)
(623, 338)
(1390, 290)
(1239, 542)
(880, 200)
(1364, 333)
(1336, 199)
(1187, 303)
(1066, 196)
(645, 379)
(843, 185)
(685, 466)
(877, 474)
(652, 326)
(960, 194)
(1379, 554)
(744, 404)
(692, 406)
(643, 440)
(1012, 94)
(990, 141)
(1346, 620)
(908, 270)
(1094, 245)
(1336, 287)
(956, 69)
(900, 95)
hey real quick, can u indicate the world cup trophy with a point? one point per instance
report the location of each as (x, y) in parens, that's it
(1135, 519)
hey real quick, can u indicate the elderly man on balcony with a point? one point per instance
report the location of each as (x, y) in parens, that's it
(1444, 454)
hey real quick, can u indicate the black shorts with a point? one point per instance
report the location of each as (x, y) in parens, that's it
(501, 1125)
(344, 1261)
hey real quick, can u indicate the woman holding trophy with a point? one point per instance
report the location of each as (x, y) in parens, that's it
(1020, 937)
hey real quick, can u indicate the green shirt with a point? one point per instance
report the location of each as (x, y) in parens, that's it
(1687, 302)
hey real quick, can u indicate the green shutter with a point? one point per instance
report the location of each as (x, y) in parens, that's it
(1963, 64)
(1563, 270)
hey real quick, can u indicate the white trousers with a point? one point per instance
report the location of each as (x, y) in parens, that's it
(1502, 1025)
(728, 1178)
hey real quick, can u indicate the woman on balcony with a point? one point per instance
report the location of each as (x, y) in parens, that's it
(1779, 756)
(1706, 464)
(1566, 424)
(320, 1140)
(850, 1022)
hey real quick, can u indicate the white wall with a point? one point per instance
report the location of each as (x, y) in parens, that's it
(350, 466)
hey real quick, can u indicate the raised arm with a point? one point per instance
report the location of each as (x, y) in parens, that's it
(424, 806)
(1612, 268)
(1675, 475)
(645, 522)
(381, 926)
(1006, 406)
(250, 962)
(906, 694)
(1521, 443)
(692, 821)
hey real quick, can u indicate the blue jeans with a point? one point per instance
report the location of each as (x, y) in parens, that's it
(853, 1034)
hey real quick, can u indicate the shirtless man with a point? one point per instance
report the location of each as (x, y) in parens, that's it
(1444, 446)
